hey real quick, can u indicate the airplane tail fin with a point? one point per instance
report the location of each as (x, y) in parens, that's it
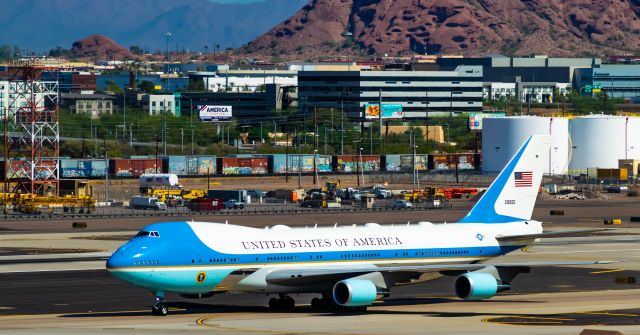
(513, 193)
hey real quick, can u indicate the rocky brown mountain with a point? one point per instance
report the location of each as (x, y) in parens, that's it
(473, 28)
(99, 47)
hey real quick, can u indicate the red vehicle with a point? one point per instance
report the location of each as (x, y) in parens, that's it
(206, 204)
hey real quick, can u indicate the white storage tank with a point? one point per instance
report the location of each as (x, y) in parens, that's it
(159, 180)
(599, 141)
(502, 137)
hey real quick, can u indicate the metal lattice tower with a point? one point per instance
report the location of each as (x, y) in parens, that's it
(32, 136)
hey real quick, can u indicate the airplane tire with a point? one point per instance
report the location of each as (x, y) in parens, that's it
(317, 304)
(160, 310)
(288, 302)
(274, 303)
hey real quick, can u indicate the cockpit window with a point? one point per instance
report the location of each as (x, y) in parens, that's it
(144, 233)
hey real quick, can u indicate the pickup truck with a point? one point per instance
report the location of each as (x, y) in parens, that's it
(140, 202)
(233, 204)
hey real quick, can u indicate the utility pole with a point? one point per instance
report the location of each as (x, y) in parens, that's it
(182, 141)
(156, 162)
(299, 158)
(315, 146)
(286, 157)
(342, 127)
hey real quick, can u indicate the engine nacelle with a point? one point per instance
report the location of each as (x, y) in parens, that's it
(354, 292)
(478, 286)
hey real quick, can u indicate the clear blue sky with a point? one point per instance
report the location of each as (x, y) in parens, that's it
(235, 1)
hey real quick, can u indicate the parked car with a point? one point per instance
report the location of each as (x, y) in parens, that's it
(402, 204)
(233, 204)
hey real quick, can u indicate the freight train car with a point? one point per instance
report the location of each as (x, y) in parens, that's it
(134, 167)
(243, 165)
(451, 162)
(189, 165)
(71, 168)
(404, 163)
(352, 163)
(294, 163)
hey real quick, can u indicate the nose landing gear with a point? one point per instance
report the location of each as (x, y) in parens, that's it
(160, 308)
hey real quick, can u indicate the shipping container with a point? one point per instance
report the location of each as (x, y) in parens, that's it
(83, 168)
(613, 174)
(349, 163)
(134, 167)
(404, 163)
(239, 195)
(243, 165)
(302, 163)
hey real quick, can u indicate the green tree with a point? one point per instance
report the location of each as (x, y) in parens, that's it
(112, 86)
(59, 52)
(147, 86)
(195, 86)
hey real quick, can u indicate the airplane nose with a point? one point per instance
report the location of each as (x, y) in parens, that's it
(117, 259)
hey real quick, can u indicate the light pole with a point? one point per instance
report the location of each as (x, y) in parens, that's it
(349, 34)
(167, 35)
(361, 167)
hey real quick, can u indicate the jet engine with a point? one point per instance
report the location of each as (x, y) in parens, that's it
(354, 292)
(478, 286)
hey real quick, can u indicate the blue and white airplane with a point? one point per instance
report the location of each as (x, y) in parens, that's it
(348, 266)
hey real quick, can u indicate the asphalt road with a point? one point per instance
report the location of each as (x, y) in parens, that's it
(578, 213)
(96, 291)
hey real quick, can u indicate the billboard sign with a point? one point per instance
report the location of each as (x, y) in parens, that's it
(215, 113)
(475, 119)
(372, 111)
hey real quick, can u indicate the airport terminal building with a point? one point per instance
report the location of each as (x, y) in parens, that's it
(420, 93)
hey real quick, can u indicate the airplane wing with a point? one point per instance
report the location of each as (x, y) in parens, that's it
(552, 234)
(309, 276)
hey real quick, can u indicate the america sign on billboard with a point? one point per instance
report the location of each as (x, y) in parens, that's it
(372, 111)
(215, 113)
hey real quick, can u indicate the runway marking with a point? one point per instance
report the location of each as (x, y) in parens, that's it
(592, 220)
(606, 271)
(203, 322)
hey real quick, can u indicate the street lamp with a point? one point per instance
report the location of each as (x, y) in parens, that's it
(349, 34)
(167, 35)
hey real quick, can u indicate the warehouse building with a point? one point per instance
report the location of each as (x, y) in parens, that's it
(420, 93)
(617, 80)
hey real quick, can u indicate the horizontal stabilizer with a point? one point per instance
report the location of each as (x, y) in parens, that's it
(555, 234)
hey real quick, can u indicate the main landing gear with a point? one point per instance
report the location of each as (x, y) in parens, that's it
(283, 302)
(160, 308)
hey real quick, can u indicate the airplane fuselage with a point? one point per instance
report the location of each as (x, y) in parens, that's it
(201, 257)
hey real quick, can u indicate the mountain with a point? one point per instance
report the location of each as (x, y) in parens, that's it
(44, 24)
(472, 28)
(99, 46)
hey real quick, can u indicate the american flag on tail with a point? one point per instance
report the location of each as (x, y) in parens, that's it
(523, 179)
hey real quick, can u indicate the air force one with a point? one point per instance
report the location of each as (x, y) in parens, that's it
(349, 267)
